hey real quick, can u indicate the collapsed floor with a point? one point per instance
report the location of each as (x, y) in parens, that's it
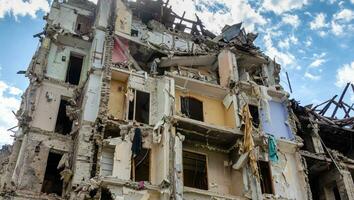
(128, 100)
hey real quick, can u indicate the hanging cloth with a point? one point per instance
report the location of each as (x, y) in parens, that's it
(272, 149)
(248, 143)
(137, 142)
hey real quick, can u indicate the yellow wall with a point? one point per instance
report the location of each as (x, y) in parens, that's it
(214, 111)
(117, 99)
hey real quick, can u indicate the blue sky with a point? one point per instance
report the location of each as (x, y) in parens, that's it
(313, 40)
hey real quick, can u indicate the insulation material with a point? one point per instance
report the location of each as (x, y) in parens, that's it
(248, 144)
(119, 54)
(277, 125)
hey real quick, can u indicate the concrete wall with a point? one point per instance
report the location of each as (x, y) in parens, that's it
(47, 105)
(214, 111)
(31, 164)
(289, 177)
(58, 61)
(65, 16)
(117, 98)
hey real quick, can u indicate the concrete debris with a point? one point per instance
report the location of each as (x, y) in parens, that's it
(203, 103)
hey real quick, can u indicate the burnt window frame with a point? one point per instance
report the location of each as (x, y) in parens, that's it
(53, 151)
(68, 67)
(148, 157)
(256, 120)
(261, 180)
(66, 99)
(188, 98)
(206, 168)
(132, 104)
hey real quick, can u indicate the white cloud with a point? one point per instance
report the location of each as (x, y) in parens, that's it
(308, 41)
(286, 59)
(23, 7)
(344, 15)
(312, 76)
(318, 62)
(284, 44)
(319, 22)
(292, 20)
(231, 12)
(341, 22)
(345, 74)
(10, 101)
(280, 6)
(337, 29)
(322, 33)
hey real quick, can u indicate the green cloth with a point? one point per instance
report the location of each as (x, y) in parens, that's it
(272, 149)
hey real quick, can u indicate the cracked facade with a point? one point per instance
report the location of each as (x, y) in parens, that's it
(128, 100)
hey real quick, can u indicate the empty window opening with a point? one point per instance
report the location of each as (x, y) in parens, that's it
(83, 25)
(141, 166)
(52, 182)
(195, 170)
(192, 108)
(139, 107)
(63, 124)
(266, 177)
(106, 194)
(74, 69)
(336, 193)
(255, 115)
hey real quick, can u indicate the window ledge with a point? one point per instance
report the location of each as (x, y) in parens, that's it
(209, 194)
(113, 181)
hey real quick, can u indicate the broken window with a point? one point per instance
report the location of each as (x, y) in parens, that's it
(52, 182)
(255, 115)
(107, 159)
(139, 107)
(74, 69)
(83, 25)
(63, 124)
(336, 192)
(141, 166)
(266, 177)
(195, 170)
(192, 108)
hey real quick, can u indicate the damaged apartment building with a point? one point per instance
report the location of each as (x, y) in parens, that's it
(130, 101)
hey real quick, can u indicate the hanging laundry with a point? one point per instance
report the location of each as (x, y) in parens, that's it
(137, 142)
(248, 143)
(272, 149)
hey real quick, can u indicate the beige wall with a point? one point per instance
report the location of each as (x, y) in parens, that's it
(116, 103)
(214, 110)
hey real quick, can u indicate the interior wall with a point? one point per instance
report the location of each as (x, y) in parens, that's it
(124, 18)
(222, 179)
(288, 177)
(34, 158)
(47, 105)
(214, 110)
(116, 103)
(58, 61)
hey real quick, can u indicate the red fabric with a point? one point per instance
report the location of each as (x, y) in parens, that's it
(118, 50)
